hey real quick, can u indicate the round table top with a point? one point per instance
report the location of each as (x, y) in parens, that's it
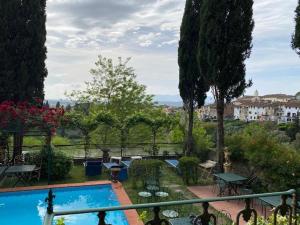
(170, 213)
(162, 194)
(145, 194)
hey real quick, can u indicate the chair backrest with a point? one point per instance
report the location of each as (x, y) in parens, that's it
(18, 160)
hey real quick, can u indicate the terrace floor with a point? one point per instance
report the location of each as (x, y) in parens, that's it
(230, 207)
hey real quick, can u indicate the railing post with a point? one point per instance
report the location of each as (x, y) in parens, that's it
(157, 220)
(283, 209)
(49, 200)
(206, 216)
(101, 216)
(295, 206)
(247, 213)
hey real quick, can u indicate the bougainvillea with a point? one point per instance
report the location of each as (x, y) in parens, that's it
(26, 115)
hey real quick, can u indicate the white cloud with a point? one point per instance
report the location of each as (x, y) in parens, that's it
(148, 31)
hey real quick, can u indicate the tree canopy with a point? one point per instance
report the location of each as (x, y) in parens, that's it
(296, 35)
(22, 49)
(224, 44)
(192, 86)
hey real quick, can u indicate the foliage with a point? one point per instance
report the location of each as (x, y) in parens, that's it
(281, 220)
(296, 143)
(224, 44)
(191, 83)
(115, 91)
(60, 221)
(189, 169)
(60, 164)
(25, 115)
(22, 49)
(296, 35)
(203, 143)
(155, 121)
(277, 165)
(143, 170)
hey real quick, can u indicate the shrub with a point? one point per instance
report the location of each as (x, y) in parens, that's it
(235, 146)
(142, 170)
(60, 163)
(203, 143)
(189, 169)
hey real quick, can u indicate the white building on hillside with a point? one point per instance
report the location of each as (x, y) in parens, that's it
(279, 107)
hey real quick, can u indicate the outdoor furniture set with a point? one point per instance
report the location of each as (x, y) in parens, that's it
(22, 171)
(117, 167)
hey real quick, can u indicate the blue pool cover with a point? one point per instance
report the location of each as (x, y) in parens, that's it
(29, 207)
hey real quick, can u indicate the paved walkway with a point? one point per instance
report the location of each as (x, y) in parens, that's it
(231, 207)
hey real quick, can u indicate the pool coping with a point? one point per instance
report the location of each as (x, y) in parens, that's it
(131, 215)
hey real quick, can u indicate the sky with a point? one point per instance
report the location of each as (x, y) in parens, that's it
(148, 32)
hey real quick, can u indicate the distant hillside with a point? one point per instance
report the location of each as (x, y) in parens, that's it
(170, 100)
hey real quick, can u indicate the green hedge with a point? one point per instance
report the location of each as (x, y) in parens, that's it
(142, 170)
(277, 165)
(189, 169)
(61, 164)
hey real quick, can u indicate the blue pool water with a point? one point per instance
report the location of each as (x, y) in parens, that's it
(29, 207)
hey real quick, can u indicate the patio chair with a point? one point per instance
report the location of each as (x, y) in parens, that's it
(220, 185)
(123, 174)
(93, 168)
(36, 174)
(152, 185)
(19, 160)
(207, 168)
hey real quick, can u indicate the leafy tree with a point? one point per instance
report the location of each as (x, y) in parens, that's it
(191, 84)
(224, 44)
(155, 122)
(114, 89)
(296, 35)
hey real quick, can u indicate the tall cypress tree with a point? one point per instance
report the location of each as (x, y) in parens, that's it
(191, 84)
(224, 44)
(23, 53)
(22, 49)
(296, 35)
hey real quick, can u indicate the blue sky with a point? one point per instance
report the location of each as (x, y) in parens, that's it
(148, 32)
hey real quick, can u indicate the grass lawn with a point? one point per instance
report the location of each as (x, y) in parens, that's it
(171, 183)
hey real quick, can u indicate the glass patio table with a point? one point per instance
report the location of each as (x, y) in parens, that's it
(21, 172)
(231, 180)
(272, 201)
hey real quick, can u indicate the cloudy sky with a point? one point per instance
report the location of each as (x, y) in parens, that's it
(148, 31)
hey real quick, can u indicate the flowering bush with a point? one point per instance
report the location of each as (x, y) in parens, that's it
(281, 220)
(27, 115)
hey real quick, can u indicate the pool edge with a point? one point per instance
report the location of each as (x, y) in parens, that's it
(131, 215)
(42, 187)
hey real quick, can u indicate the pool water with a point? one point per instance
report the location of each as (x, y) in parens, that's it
(29, 207)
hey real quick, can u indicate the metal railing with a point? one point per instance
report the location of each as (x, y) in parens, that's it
(206, 218)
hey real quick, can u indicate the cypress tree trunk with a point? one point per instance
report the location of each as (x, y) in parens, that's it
(189, 143)
(220, 132)
(18, 143)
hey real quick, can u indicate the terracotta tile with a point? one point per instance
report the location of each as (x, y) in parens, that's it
(231, 207)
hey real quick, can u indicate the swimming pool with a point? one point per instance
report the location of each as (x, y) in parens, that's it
(29, 207)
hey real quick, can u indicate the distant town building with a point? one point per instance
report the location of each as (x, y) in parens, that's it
(209, 112)
(280, 108)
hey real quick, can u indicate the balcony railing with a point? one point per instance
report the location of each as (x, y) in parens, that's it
(206, 218)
